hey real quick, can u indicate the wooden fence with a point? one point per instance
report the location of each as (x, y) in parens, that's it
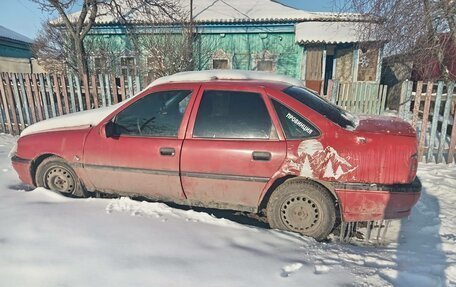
(29, 98)
(358, 97)
(430, 108)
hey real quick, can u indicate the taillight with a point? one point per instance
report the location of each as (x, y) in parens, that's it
(413, 166)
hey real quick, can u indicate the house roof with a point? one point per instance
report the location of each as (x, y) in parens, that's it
(229, 11)
(332, 32)
(6, 33)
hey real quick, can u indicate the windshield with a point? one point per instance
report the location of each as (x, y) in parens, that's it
(332, 112)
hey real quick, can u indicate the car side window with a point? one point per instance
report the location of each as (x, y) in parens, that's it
(233, 115)
(156, 115)
(294, 126)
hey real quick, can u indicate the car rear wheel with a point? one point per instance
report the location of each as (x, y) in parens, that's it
(302, 206)
(55, 174)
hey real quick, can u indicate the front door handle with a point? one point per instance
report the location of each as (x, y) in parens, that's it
(261, 155)
(167, 151)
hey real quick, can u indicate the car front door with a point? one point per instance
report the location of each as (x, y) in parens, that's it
(141, 156)
(232, 147)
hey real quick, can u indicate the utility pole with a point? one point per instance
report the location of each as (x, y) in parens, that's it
(191, 38)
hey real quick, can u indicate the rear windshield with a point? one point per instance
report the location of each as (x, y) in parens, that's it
(330, 111)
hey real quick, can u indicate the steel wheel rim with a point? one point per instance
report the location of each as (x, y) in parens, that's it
(59, 179)
(300, 214)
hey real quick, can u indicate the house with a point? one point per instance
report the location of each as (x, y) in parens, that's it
(15, 52)
(259, 35)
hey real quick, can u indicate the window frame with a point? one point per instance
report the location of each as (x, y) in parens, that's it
(272, 99)
(193, 88)
(235, 88)
(129, 69)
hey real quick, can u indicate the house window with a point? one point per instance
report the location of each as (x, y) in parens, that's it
(221, 60)
(99, 65)
(220, 64)
(367, 64)
(265, 65)
(265, 61)
(128, 67)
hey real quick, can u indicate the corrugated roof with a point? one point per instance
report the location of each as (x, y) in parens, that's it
(10, 34)
(230, 11)
(331, 32)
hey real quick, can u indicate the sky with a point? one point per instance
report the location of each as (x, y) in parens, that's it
(25, 17)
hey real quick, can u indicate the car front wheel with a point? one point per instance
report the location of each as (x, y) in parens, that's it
(302, 206)
(55, 174)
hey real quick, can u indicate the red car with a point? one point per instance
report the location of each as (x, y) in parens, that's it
(232, 140)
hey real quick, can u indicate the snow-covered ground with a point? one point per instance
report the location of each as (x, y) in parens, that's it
(50, 240)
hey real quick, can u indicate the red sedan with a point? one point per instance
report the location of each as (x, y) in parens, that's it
(243, 141)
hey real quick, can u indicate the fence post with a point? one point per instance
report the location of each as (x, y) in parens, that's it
(446, 115)
(424, 124)
(108, 91)
(130, 87)
(452, 145)
(72, 96)
(27, 105)
(122, 87)
(28, 87)
(9, 97)
(114, 89)
(38, 103)
(435, 119)
(78, 91)
(94, 91)
(43, 96)
(65, 94)
(416, 106)
(85, 83)
(51, 95)
(57, 94)
(334, 91)
(102, 90)
(5, 106)
(17, 101)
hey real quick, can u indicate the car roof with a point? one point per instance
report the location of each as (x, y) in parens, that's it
(229, 77)
(246, 83)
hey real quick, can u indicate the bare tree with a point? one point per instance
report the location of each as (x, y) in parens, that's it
(51, 48)
(74, 27)
(421, 32)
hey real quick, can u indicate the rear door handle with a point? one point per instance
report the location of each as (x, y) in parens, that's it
(167, 151)
(261, 155)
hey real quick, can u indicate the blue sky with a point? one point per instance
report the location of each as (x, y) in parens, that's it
(25, 17)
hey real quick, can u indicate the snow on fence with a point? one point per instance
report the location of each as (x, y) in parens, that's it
(358, 97)
(28, 98)
(430, 108)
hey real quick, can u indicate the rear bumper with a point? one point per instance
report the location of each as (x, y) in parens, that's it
(22, 167)
(362, 202)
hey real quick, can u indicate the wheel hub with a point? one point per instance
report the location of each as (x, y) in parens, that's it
(300, 213)
(60, 179)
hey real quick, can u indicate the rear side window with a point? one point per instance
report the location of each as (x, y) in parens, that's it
(232, 115)
(316, 103)
(156, 115)
(294, 126)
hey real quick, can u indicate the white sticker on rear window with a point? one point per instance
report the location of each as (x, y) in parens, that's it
(300, 124)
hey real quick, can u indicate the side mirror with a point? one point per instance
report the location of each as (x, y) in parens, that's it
(108, 130)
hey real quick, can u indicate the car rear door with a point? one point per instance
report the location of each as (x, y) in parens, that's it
(231, 148)
(143, 157)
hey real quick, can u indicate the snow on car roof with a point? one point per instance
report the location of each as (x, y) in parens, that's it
(209, 75)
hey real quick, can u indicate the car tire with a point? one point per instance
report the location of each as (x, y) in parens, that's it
(302, 206)
(55, 174)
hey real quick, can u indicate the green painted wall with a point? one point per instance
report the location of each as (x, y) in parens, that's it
(14, 50)
(242, 49)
